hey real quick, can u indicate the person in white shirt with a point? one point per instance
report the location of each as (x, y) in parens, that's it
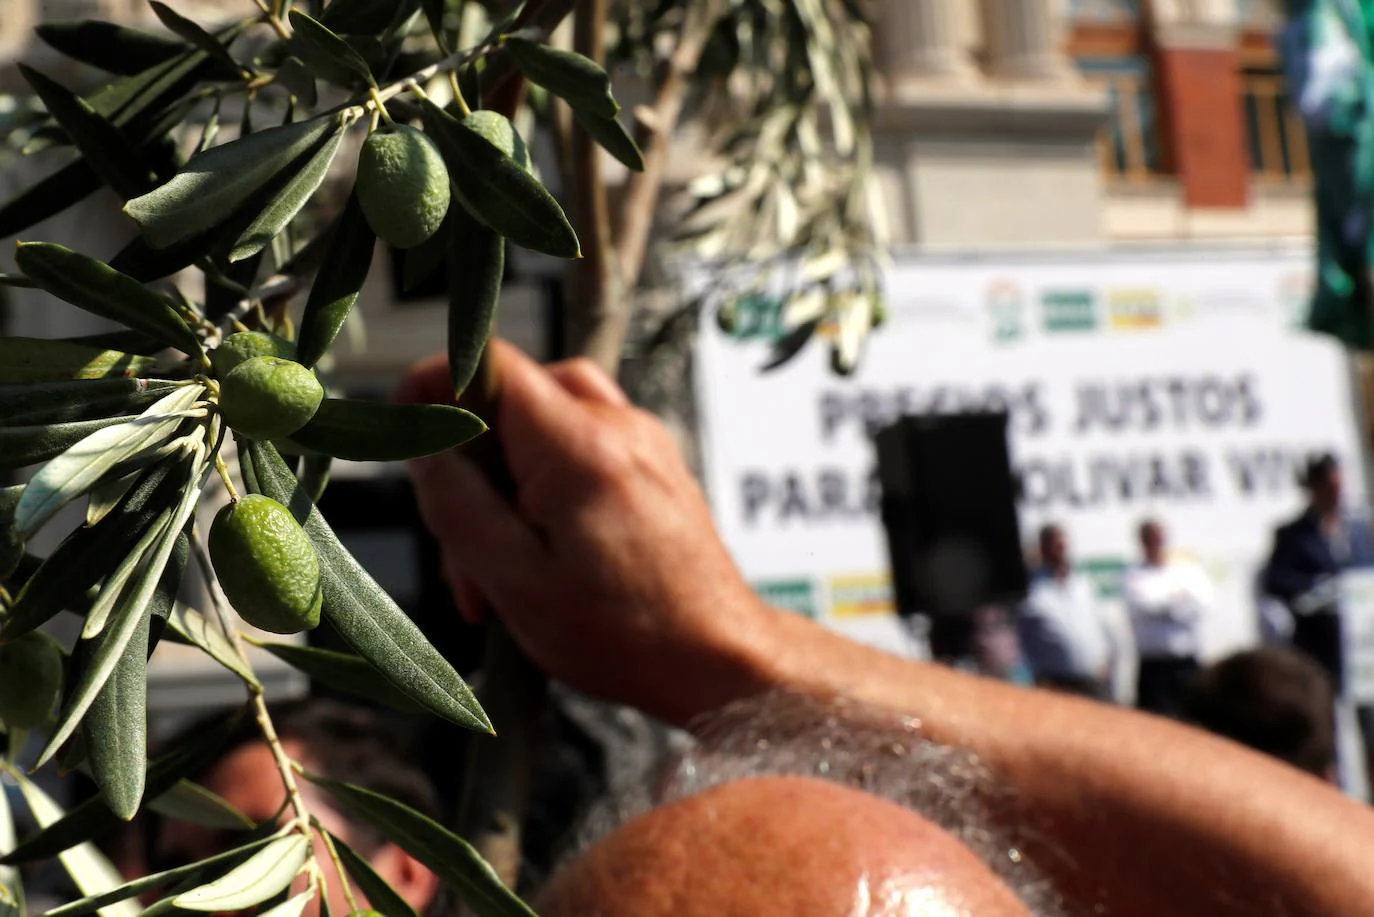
(1166, 599)
(1066, 638)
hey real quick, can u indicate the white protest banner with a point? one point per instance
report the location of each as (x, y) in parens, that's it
(1154, 383)
(1357, 634)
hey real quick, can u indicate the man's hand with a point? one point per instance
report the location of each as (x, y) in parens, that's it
(604, 563)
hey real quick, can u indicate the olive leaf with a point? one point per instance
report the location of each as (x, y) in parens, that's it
(612, 137)
(358, 608)
(365, 17)
(133, 104)
(214, 184)
(338, 283)
(317, 45)
(575, 78)
(291, 907)
(477, 262)
(84, 464)
(88, 868)
(100, 289)
(252, 882)
(343, 672)
(157, 880)
(314, 475)
(446, 854)
(113, 156)
(791, 344)
(381, 896)
(421, 261)
(193, 803)
(87, 554)
(112, 589)
(134, 342)
(92, 819)
(115, 730)
(37, 360)
(132, 612)
(28, 444)
(288, 202)
(499, 191)
(190, 627)
(11, 542)
(192, 32)
(111, 47)
(60, 402)
(373, 431)
(106, 495)
(64, 188)
(11, 885)
(298, 80)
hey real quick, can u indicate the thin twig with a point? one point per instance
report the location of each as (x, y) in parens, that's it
(271, 19)
(338, 868)
(600, 314)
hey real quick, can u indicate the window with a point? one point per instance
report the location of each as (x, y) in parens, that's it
(1129, 147)
(1277, 142)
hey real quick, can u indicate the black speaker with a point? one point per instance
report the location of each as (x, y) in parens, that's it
(949, 507)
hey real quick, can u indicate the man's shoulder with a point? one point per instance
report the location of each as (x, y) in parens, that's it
(1301, 525)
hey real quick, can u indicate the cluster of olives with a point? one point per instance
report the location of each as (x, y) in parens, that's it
(263, 558)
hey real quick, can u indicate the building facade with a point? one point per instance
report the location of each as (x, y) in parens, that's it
(1087, 122)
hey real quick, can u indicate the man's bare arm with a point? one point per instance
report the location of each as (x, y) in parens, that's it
(608, 571)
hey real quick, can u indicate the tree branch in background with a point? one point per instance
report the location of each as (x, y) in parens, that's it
(636, 222)
(599, 302)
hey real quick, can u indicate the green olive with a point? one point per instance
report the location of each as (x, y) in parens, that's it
(268, 397)
(402, 185)
(266, 565)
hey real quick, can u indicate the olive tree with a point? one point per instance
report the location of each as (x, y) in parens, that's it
(218, 139)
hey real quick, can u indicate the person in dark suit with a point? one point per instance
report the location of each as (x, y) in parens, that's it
(1309, 553)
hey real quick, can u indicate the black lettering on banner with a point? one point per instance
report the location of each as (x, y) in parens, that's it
(1032, 409)
(1178, 400)
(793, 502)
(754, 493)
(1213, 402)
(1150, 413)
(833, 410)
(1250, 404)
(1196, 479)
(834, 492)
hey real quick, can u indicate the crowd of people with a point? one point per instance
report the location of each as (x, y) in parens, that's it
(1146, 648)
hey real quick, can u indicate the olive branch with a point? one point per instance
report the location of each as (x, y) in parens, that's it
(136, 423)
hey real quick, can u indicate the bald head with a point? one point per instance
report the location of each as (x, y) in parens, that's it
(778, 845)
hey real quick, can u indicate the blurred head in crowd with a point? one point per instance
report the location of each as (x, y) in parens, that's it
(1322, 480)
(1152, 542)
(1274, 700)
(789, 806)
(335, 740)
(1054, 549)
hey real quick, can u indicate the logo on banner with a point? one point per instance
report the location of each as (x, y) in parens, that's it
(795, 595)
(1068, 310)
(1134, 309)
(1006, 310)
(1295, 292)
(859, 596)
